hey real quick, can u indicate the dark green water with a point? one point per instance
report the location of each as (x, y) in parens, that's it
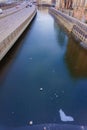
(44, 57)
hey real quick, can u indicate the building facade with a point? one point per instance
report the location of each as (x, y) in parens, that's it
(71, 3)
(78, 7)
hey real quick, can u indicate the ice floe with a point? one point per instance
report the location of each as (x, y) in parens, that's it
(64, 117)
(82, 128)
(56, 95)
(53, 71)
(30, 122)
(44, 128)
(30, 58)
(63, 92)
(12, 112)
(41, 89)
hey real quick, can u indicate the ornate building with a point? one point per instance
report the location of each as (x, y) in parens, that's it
(71, 3)
(78, 7)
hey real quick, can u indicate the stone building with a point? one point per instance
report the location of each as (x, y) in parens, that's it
(64, 3)
(78, 7)
(71, 3)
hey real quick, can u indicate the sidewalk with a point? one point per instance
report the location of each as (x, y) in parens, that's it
(13, 19)
(12, 10)
(13, 24)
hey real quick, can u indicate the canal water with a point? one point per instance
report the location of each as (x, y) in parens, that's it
(44, 72)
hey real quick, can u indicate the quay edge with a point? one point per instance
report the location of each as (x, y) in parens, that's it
(13, 35)
(72, 25)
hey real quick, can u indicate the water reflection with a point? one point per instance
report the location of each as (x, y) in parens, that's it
(60, 34)
(76, 59)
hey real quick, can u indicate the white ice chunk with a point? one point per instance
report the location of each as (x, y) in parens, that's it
(82, 128)
(62, 91)
(44, 128)
(12, 112)
(56, 95)
(30, 58)
(64, 117)
(30, 122)
(53, 71)
(41, 89)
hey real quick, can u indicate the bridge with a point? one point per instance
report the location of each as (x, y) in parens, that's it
(46, 2)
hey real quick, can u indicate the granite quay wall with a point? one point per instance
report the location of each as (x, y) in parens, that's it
(62, 18)
(74, 26)
(16, 29)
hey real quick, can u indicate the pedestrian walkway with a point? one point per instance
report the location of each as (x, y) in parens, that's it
(13, 24)
(15, 18)
(14, 9)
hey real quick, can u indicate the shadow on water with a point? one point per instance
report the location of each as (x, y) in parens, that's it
(75, 55)
(76, 59)
(10, 57)
(61, 35)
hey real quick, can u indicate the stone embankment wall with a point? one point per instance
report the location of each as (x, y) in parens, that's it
(14, 32)
(73, 25)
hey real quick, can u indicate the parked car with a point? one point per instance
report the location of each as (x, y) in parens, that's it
(30, 4)
(1, 11)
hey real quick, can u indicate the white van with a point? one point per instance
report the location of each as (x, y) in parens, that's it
(1, 11)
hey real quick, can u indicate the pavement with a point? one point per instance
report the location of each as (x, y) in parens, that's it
(14, 9)
(12, 18)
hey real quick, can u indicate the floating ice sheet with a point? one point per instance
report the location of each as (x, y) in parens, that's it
(30, 58)
(64, 117)
(41, 89)
(30, 122)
